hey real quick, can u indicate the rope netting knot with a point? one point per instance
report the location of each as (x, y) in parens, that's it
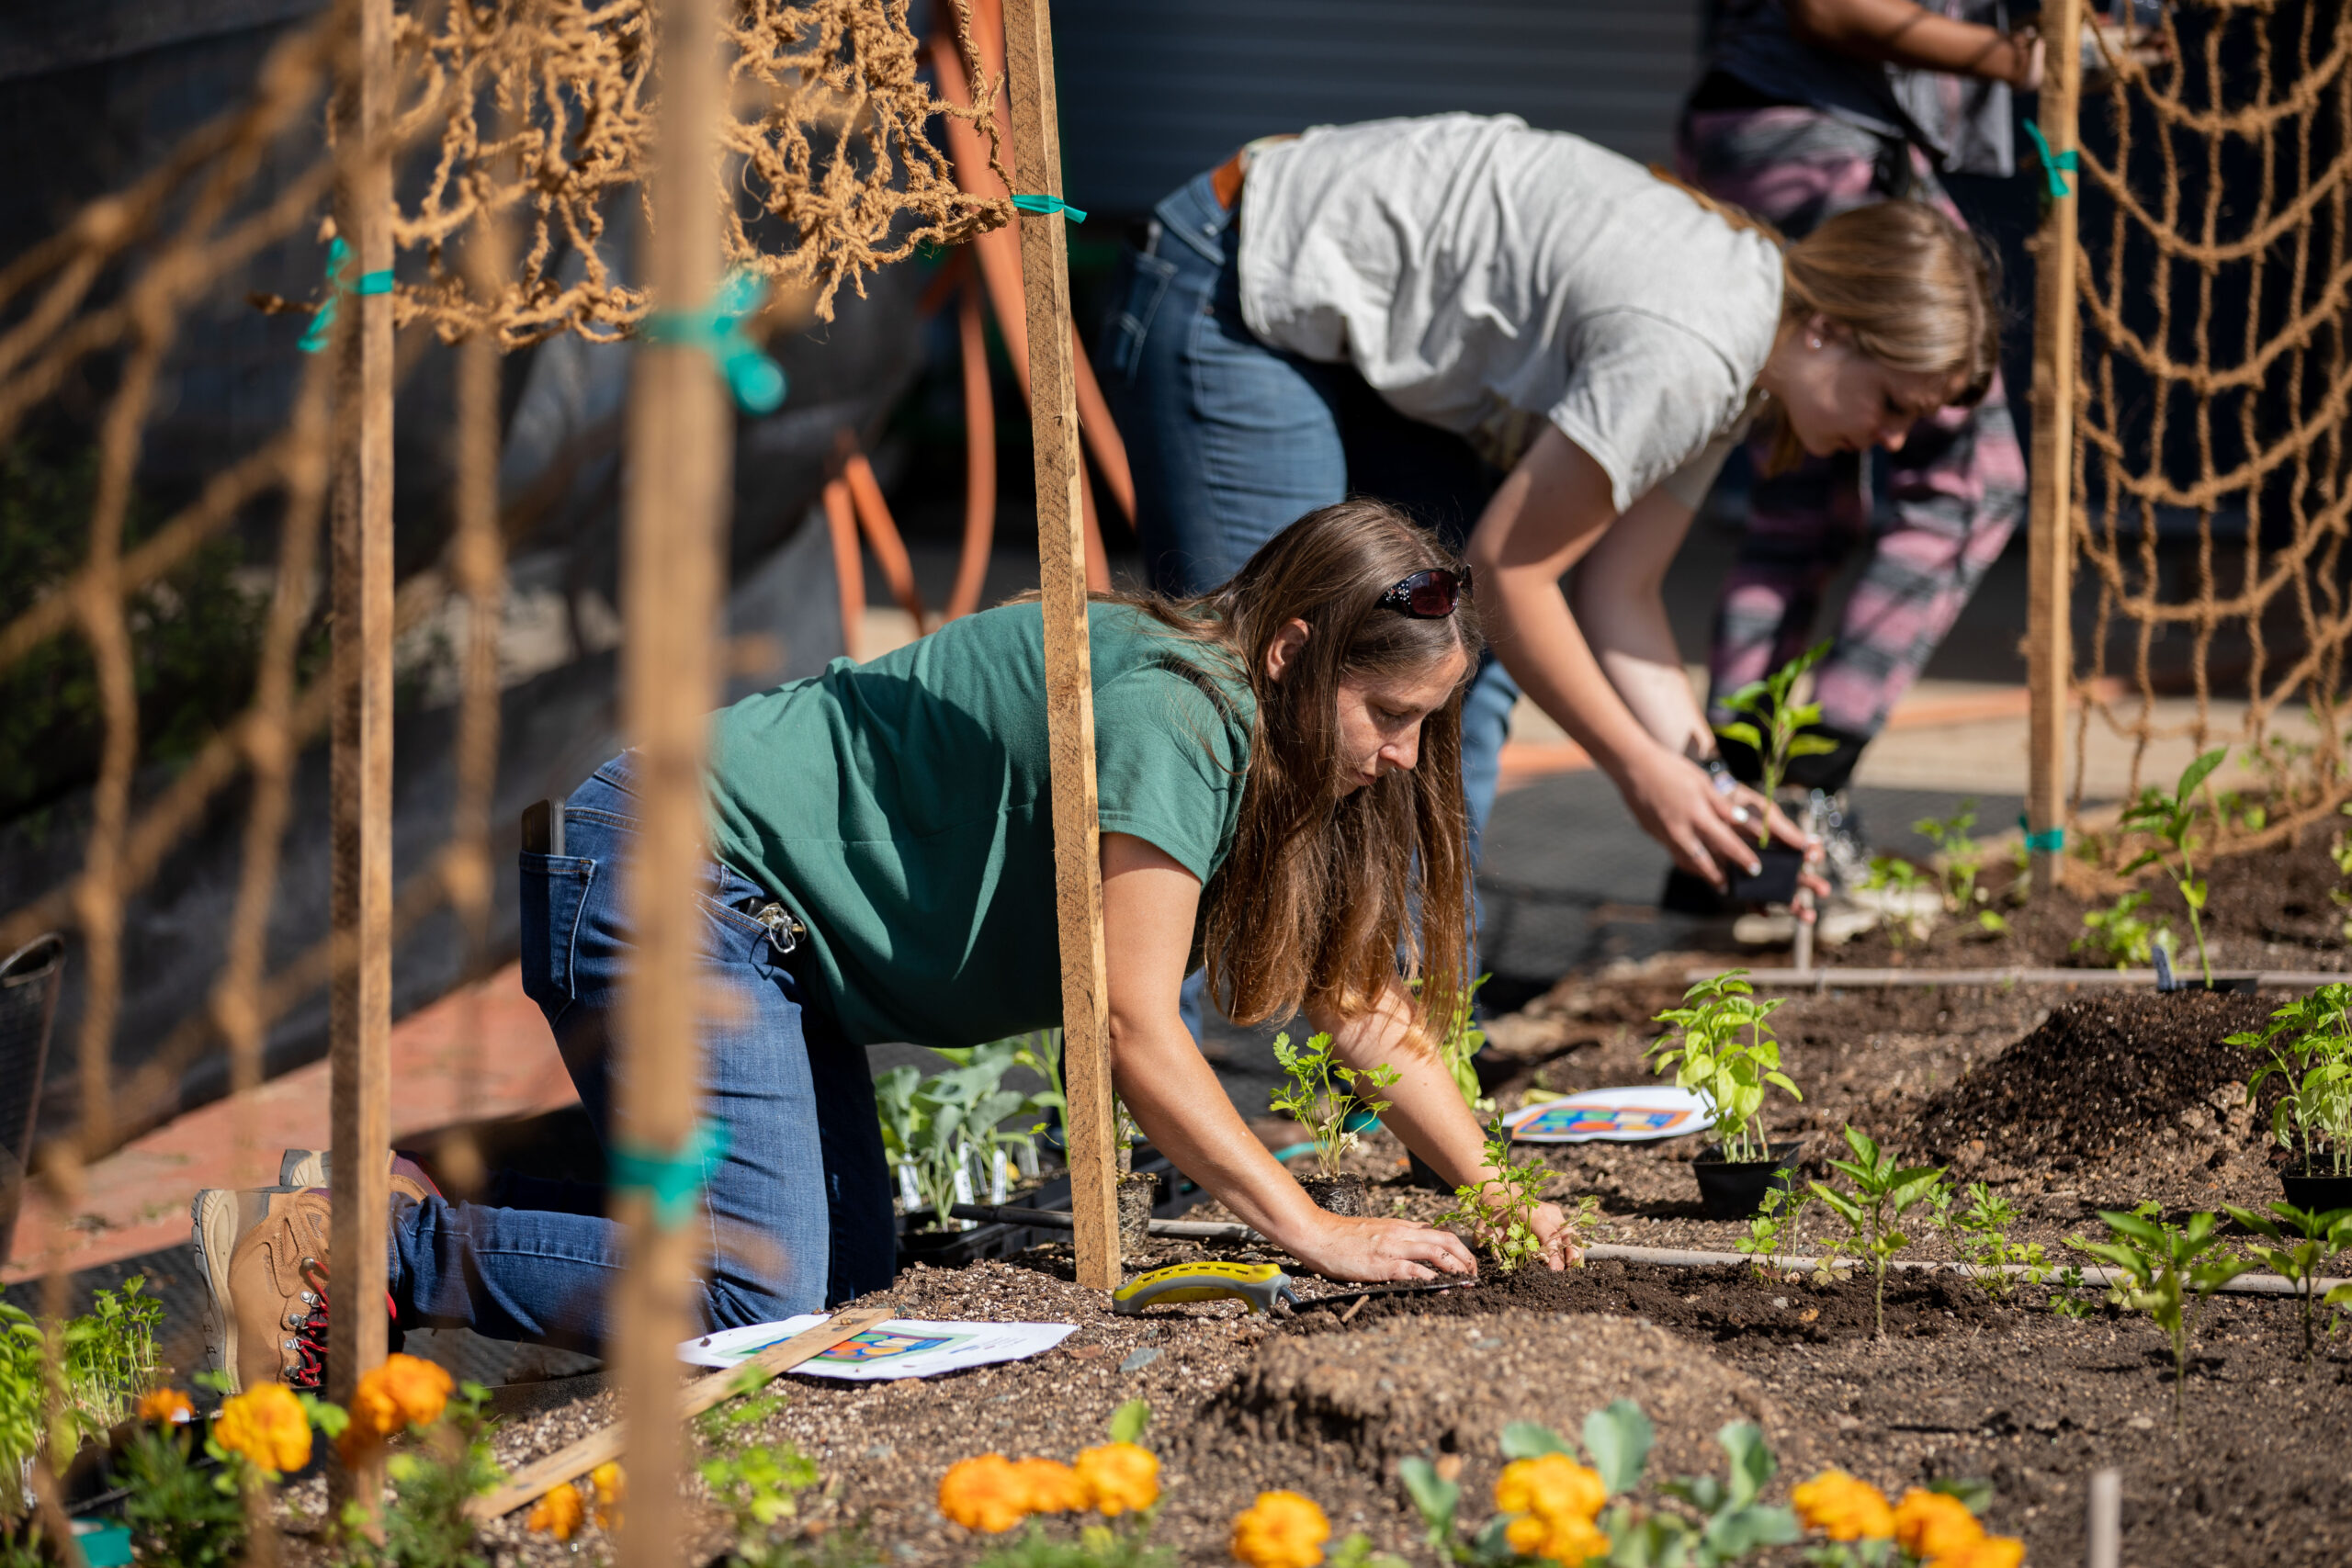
(541, 109)
(2210, 492)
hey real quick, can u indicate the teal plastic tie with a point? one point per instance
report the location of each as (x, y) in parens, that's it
(2055, 166)
(675, 1181)
(2048, 841)
(322, 325)
(1045, 205)
(756, 380)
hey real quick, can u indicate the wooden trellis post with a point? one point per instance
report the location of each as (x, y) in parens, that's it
(2048, 647)
(678, 486)
(1069, 684)
(360, 1001)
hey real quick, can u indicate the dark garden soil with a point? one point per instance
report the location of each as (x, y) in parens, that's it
(2271, 909)
(2064, 1100)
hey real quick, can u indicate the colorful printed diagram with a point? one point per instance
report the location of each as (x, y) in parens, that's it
(901, 1347)
(1611, 1115)
(874, 1345)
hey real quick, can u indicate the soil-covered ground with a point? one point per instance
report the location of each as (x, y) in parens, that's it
(2063, 1102)
(2272, 909)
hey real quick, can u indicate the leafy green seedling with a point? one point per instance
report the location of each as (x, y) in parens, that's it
(2309, 1042)
(1893, 874)
(1727, 1052)
(1775, 726)
(2067, 1297)
(1499, 1212)
(759, 1487)
(1980, 1234)
(2168, 1274)
(2118, 935)
(1324, 1095)
(1963, 856)
(1773, 1232)
(2170, 820)
(2299, 1258)
(1882, 1192)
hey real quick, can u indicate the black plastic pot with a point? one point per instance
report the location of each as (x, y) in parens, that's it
(1774, 883)
(30, 980)
(1342, 1195)
(1425, 1176)
(1735, 1189)
(919, 1243)
(2317, 1194)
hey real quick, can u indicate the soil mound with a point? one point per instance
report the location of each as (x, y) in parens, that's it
(1436, 1384)
(2101, 1076)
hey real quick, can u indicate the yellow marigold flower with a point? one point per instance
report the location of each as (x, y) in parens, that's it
(1843, 1508)
(1570, 1540)
(1119, 1477)
(557, 1514)
(1550, 1487)
(1281, 1530)
(165, 1404)
(1048, 1487)
(611, 1485)
(266, 1424)
(1934, 1524)
(1987, 1551)
(986, 1494)
(404, 1391)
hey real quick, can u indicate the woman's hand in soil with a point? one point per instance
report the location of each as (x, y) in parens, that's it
(1551, 1226)
(1375, 1252)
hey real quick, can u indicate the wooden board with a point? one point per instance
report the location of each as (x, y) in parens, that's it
(1069, 686)
(541, 1476)
(2050, 655)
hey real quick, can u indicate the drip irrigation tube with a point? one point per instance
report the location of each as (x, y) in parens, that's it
(1054, 1220)
(1820, 979)
(1675, 1257)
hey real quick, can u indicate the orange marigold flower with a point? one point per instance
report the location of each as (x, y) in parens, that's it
(1048, 1487)
(1934, 1524)
(166, 1405)
(1570, 1540)
(267, 1425)
(404, 1391)
(611, 1485)
(1550, 1487)
(1119, 1477)
(557, 1514)
(1281, 1530)
(1843, 1508)
(1988, 1551)
(986, 1492)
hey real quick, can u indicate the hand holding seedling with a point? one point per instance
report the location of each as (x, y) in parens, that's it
(1775, 726)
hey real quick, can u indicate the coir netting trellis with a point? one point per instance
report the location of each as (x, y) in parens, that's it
(2210, 465)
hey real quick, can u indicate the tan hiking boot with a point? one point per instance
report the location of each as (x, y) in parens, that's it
(316, 1167)
(274, 1305)
(218, 1219)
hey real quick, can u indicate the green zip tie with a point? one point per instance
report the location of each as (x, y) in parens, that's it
(2050, 841)
(2055, 166)
(1045, 205)
(675, 1181)
(322, 325)
(756, 380)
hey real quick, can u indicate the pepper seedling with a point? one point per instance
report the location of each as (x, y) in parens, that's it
(1882, 1191)
(1775, 726)
(2309, 1042)
(1726, 1052)
(2167, 1274)
(2317, 1237)
(2170, 820)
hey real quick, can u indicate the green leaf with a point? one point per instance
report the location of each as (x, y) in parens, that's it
(1530, 1439)
(1974, 1493)
(1434, 1499)
(1737, 1531)
(1743, 733)
(1129, 1421)
(2196, 773)
(1752, 1464)
(1618, 1438)
(1811, 746)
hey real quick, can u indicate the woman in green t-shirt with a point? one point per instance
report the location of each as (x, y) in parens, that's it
(1279, 769)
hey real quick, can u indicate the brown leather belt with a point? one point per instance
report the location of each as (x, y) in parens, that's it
(1224, 180)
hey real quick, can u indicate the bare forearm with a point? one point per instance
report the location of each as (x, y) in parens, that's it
(1629, 635)
(1900, 32)
(1425, 1108)
(1174, 1096)
(1541, 644)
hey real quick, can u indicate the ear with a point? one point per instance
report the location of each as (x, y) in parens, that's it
(1286, 647)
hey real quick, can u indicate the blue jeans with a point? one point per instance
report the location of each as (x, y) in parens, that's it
(1232, 441)
(797, 1216)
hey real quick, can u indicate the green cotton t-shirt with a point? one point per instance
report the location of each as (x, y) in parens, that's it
(902, 809)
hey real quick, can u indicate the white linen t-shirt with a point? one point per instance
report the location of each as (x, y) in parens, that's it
(1482, 275)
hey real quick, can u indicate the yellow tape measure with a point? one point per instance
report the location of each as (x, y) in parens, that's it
(1259, 1284)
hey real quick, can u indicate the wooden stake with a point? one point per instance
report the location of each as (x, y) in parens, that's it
(1069, 683)
(359, 1009)
(2050, 657)
(678, 482)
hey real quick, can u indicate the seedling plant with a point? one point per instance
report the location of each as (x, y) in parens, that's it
(1980, 1234)
(1775, 726)
(1898, 914)
(1499, 1212)
(1883, 1191)
(1463, 1041)
(105, 1360)
(1724, 1050)
(2169, 1273)
(1962, 862)
(1324, 1095)
(935, 1128)
(2309, 1043)
(2119, 935)
(2302, 1240)
(1773, 1233)
(2170, 821)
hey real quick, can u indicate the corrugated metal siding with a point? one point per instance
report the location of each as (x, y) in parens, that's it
(1154, 91)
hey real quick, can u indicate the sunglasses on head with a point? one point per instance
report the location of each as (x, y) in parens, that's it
(1428, 596)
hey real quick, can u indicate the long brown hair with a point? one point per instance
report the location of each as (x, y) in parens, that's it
(1326, 892)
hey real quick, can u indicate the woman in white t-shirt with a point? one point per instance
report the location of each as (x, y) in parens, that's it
(1527, 341)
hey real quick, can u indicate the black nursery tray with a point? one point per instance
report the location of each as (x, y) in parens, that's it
(952, 1250)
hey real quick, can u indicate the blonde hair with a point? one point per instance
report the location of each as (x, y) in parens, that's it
(1916, 291)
